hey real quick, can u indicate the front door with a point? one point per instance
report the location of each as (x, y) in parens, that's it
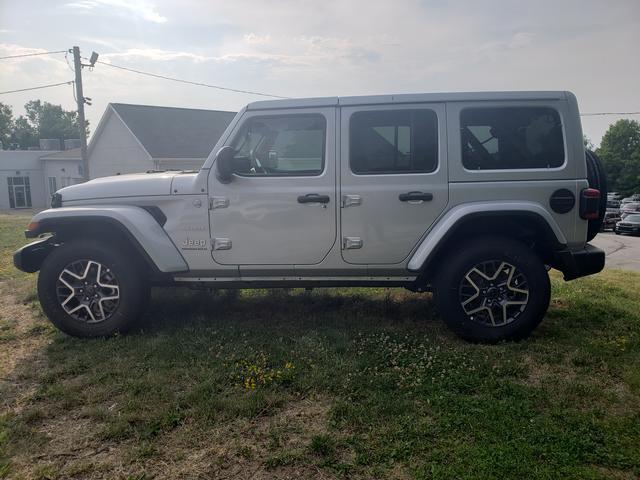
(19, 192)
(280, 209)
(393, 179)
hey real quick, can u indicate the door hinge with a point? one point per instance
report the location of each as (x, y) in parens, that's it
(351, 200)
(218, 202)
(351, 243)
(221, 243)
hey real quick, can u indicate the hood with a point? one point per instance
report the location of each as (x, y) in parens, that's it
(134, 185)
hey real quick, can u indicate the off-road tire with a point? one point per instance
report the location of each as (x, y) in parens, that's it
(133, 288)
(463, 259)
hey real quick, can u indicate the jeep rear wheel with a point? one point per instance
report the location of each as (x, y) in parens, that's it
(89, 289)
(494, 289)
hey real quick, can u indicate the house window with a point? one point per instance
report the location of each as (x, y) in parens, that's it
(393, 141)
(19, 192)
(511, 138)
(52, 186)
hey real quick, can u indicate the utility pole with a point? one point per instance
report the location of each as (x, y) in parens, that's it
(77, 65)
(81, 99)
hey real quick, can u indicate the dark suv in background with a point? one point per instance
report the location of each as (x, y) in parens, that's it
(630, 225)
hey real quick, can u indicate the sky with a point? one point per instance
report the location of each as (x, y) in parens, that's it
(310, 48)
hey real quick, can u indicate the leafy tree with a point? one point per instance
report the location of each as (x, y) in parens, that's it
(620, 154)
(24, 135)
(6, 124)
(629, 181)
(45, 120)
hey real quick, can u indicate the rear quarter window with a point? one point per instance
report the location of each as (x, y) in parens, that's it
(509, 138)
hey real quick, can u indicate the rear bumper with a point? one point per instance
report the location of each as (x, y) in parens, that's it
(579, 263)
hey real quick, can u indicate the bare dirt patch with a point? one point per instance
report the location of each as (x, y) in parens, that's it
(266, 446)
(21, 343)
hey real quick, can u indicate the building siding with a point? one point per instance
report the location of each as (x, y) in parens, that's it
(22, 163)
(117, 151)
(66, 172)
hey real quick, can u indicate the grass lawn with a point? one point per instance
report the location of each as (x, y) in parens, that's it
(336, 383)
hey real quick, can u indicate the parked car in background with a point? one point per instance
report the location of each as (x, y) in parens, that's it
(613, 204)
(613, 196)
(629, 207)
(611, 217)
(630, 225)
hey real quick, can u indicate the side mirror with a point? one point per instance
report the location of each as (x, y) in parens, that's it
(224, 164)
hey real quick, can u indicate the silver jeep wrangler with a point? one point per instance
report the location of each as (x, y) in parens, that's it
(472, 196)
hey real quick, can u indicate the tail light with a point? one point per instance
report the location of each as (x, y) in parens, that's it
(590, 204)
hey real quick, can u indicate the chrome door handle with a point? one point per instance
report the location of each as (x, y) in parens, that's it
(313, 198)
(415, 197)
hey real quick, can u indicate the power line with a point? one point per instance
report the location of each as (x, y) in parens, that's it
(608, 113)
(37, 88)
(199, 84)
(32, 54)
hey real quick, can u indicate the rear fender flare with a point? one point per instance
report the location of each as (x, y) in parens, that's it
(440, 233)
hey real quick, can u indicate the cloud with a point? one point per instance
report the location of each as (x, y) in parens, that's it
(140, 8)
(155, 54)
(253, 39)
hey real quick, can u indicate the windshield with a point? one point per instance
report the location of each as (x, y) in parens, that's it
(633, 218)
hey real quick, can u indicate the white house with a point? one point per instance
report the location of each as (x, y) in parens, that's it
(128, 139)
(21, 179)
(137, 138)
(61, 169)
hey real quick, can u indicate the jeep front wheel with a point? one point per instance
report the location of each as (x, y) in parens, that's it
(493, 289)
(90, 289)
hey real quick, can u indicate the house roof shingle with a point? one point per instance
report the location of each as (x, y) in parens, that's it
(167, 132)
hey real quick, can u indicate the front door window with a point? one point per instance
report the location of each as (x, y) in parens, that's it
(288, 145)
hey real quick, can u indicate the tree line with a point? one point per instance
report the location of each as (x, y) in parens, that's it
(41, 120)
(620, 154)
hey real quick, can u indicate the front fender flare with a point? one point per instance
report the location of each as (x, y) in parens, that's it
(135, 222)
(438, 232)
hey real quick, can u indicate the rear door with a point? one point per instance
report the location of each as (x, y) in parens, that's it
(393, 179)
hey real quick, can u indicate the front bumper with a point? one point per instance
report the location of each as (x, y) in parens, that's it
(30, 257)
(627, 229)
(579, 263)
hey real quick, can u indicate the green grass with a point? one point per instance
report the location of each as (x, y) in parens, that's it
(356, 383)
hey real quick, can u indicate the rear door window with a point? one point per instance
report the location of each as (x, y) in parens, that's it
(393, 141)
(511, 138)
